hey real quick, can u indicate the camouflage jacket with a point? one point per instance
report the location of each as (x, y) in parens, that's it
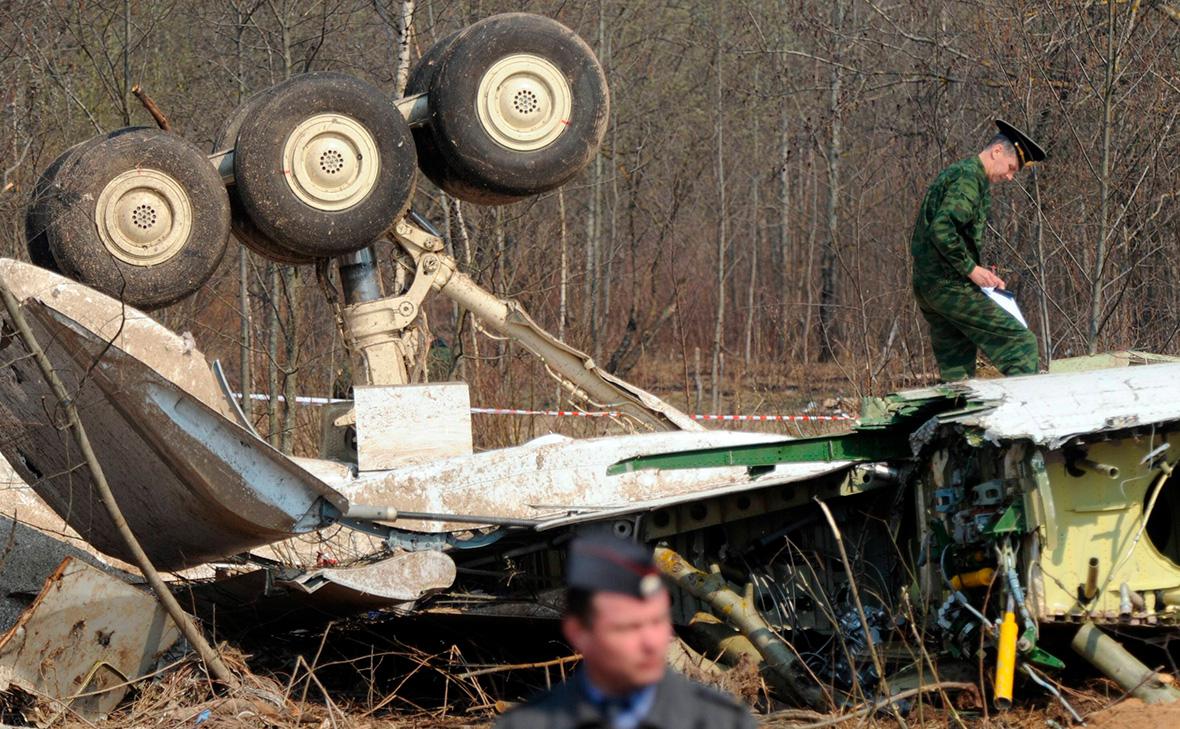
(950, 224)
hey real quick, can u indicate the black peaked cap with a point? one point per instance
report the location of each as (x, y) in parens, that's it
(1028, 151)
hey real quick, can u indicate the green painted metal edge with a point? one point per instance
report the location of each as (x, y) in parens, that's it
(1010, 522)
(1044, 658)
(855, 447)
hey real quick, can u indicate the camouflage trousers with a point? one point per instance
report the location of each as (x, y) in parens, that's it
(963, 320)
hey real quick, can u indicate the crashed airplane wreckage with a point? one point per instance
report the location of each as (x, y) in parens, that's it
(974, 517)
(985, 511)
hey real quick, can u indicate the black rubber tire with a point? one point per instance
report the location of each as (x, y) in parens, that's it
(261, 180)
(241, 224)
(430, 160)
(37, 213)
(478, 168)
(74, 240)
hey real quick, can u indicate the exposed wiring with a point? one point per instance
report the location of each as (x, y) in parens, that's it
(1043, 683)
(1157, 485)
(1007, 559)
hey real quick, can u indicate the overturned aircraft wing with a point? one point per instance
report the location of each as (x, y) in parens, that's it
(193, 485)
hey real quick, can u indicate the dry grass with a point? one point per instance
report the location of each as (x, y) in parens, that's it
(184, 697)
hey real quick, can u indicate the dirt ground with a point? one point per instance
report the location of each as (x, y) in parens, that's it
(1135, 713)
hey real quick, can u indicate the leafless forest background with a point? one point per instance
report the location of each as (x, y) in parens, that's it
(741, 243)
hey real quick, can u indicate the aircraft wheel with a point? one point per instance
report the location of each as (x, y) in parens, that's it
(242, 226)
(140, 215)
(324, 164)
(518, 106)
(37, 215)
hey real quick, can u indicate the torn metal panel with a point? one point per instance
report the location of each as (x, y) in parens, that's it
(1108, 360)
(782, 475)
(856, 447)
(559, 477)
(1051, 409)
(401, 578)
(193, 485)
(1092, 516)
(397, 582)
(87, 633)
(334, 473)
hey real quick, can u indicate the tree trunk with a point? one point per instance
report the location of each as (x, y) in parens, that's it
(828, 298)
(563, 274)
(594, 230)
(1042, 274)
(722, 230)
(609, 240)
(125, 100)
(563, 267)
(755, 235)
(809, 260)
(1096, 277)
(404, 31)
(245, 351)
(291, 286)
(785, 259)
(272, 351)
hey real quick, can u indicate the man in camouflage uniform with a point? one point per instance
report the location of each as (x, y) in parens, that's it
(947, 274)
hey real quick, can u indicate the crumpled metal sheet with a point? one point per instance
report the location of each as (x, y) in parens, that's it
(173, 355)
(1050, 409)
(401, 578)
(560, 480)
(86, 633)
(193, 485)
(397, 581)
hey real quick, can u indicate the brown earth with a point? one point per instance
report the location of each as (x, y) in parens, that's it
(1135, 713)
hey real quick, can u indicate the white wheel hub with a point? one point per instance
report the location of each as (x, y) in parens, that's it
(524, 102)
(331, 161)
(144, 217)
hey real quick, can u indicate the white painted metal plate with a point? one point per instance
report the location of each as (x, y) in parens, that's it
(1050, 409)
(193, 485)
(559, 480)
(404, 424)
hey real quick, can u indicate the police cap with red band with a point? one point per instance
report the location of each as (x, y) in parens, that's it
(609, 564)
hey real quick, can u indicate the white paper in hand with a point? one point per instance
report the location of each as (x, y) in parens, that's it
(1006, 300)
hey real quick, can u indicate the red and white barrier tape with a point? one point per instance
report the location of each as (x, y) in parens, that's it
(615, 414)
(554, 413)
(597, 413)
(302, 399)
(771, 418)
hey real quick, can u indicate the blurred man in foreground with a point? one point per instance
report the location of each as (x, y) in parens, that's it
(618, 616)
